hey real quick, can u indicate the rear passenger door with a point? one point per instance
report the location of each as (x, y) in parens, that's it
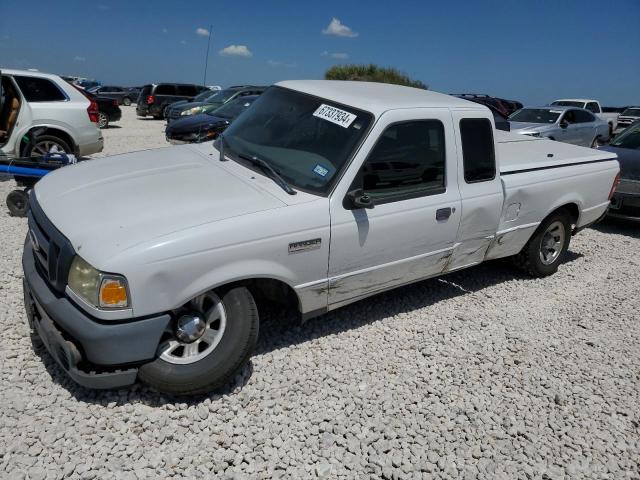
(585, 127)
(480, 188)
(410, 171)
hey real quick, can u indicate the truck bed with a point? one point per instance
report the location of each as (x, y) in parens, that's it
(519, 153)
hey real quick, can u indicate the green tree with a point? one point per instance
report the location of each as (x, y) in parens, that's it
(372, 73)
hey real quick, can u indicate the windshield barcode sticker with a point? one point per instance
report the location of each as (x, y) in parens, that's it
(335, 115)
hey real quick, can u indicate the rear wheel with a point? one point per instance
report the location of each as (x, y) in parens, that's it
(209, 342)
(18, 203)
(543, 253)
(126, 101)
(103, 120)
(44, 144)
(596, 142)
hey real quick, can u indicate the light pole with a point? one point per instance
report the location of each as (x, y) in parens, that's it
(206, 58)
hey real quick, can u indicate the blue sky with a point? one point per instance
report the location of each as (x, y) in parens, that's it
(532, 51)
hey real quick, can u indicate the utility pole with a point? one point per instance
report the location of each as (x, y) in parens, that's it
(206, 58)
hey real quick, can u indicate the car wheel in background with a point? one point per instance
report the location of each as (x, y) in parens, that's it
(543, 253)
(126, 101)
(210, 341)
(103, 120)
(18, 203)
(46, 144)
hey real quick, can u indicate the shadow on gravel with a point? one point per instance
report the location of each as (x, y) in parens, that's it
(280, 329)
(112, 127)
(615, 226)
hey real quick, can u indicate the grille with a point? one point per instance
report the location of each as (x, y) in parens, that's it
(52, 251)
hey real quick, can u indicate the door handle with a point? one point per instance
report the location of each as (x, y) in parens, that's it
(444, 213)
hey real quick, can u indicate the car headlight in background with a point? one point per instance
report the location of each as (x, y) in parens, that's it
(192, 111)
(102, 290)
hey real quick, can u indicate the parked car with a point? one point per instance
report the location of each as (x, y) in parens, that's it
(86, 84)
(505, 107)
(207, 126)
(123, 95)
(47, 114)
(201, 97)
(134, 93)
(628, 116)
(501, 121)
(155, 98)
(564, 124)
(212, 102)
(108, 110)
(594, 107)
(626, 200)
(282, 208)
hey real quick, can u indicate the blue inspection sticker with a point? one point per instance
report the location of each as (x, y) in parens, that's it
(320, 170)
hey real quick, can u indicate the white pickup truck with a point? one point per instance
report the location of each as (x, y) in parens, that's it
(147, 265)
(594, 107)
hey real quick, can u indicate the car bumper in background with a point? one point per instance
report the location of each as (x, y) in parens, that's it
(625, 203)
(95, 354)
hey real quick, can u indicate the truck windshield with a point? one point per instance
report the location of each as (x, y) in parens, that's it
(631, 112)
(536, 115)
(630, 138)
(568, 103)
(306, 139)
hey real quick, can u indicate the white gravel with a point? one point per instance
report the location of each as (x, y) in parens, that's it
(482, 374)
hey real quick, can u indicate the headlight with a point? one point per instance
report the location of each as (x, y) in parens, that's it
(102, 290)
(192, 111)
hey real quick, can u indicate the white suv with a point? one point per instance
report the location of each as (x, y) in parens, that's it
(41, 113)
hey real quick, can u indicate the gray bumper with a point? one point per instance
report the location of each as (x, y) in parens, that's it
(95, 354)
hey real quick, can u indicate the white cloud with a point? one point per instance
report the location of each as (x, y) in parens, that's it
(236, 51)
(164, 30)
(203, 32)
(78, 58)
(103, 7)
(336, 55)
(183, 42)
(338, 29)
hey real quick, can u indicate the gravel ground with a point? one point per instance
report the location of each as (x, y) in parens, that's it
(481, 374)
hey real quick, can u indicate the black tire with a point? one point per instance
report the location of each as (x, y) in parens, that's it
(596, 142)
(126, 101)
(103, 120)
(220, 365)
(18, 203)
(529, 259)
(33, 147)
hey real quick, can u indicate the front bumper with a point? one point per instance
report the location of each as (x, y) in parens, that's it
(95, 354)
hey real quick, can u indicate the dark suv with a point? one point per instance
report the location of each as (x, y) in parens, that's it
(155, 98)
(121, 94)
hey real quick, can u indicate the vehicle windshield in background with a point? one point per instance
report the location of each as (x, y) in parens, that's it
(630, 138)
(306, 139)
(536, 115)
(232, 109)
(202, 96)
(567, 103)
(631, 112)
(220, 96)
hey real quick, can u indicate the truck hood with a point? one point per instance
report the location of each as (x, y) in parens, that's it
(109, 205)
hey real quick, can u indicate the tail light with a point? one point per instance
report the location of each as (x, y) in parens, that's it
(150, 99)
(92, 110)
(616, 182)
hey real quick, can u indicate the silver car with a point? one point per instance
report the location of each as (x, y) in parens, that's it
(564, 124)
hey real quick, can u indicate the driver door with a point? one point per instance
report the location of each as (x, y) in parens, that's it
(410, 171)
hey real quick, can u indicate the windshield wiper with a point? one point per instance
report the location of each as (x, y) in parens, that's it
(269, 171)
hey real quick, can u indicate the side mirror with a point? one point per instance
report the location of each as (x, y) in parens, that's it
(358, 199)
(564, 124)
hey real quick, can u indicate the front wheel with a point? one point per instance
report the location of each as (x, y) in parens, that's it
(18, 203)
(210, 340)
(126, 101)
(543, 253)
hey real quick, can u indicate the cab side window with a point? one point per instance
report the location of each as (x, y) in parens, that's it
(478, 152)
(407, 162)
(592, 107)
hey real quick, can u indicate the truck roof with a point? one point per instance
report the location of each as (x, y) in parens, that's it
(377, 97)
(576, 100)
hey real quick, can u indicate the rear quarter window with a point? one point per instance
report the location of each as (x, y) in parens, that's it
(165, 90)
(478, 152)
(37, 89)
(187, 90)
